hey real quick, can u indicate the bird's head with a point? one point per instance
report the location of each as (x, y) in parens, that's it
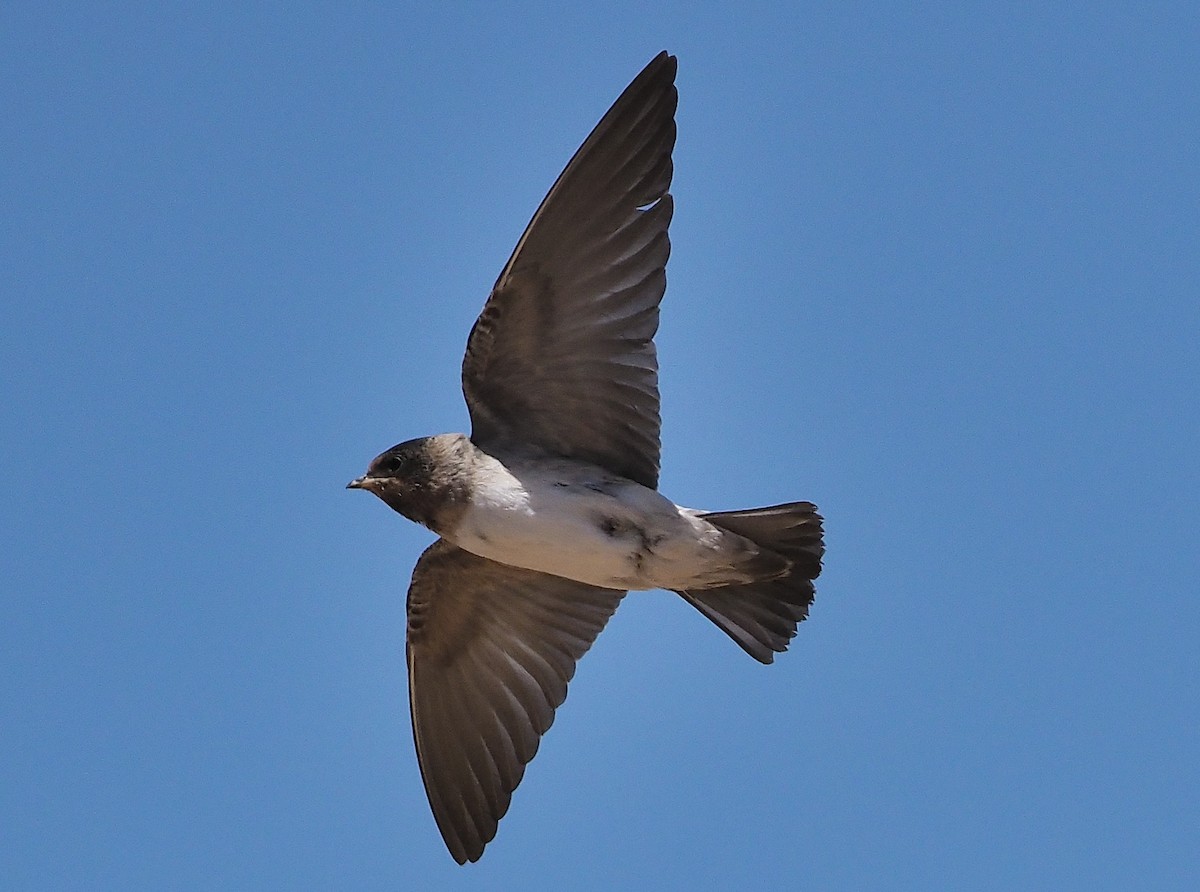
(417, 478)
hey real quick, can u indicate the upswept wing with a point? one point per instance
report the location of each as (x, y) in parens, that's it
(562, 356)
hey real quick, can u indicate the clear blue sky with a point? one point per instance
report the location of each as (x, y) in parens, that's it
(936, 267)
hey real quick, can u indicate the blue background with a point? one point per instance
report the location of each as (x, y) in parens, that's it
(936, 268)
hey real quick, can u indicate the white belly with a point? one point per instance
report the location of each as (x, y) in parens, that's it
(581, 524)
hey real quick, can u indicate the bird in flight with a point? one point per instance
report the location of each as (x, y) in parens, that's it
(549, 512)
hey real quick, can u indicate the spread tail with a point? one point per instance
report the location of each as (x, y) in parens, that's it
(762, 616)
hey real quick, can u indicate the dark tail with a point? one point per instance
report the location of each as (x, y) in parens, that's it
(762, 616)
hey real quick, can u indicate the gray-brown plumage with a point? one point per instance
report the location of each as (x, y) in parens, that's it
(549, 511)
(488, 663)
(565, 343)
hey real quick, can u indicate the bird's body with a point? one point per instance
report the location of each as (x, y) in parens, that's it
(575, 520)
(549, 511)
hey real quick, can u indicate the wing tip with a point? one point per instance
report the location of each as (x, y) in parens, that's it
(664, 59)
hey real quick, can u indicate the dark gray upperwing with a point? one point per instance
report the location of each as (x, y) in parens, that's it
(562, 356)
(490, 651)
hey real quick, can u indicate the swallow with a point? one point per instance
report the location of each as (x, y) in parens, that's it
(549, 512)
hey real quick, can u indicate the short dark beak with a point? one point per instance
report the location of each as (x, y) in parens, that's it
(356, 484)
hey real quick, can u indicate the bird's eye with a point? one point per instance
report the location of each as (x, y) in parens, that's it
(390, 465)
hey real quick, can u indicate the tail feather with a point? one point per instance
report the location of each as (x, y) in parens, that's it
(762, 616)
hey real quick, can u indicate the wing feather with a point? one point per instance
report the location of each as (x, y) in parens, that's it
(562, 357)
(491, 649)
